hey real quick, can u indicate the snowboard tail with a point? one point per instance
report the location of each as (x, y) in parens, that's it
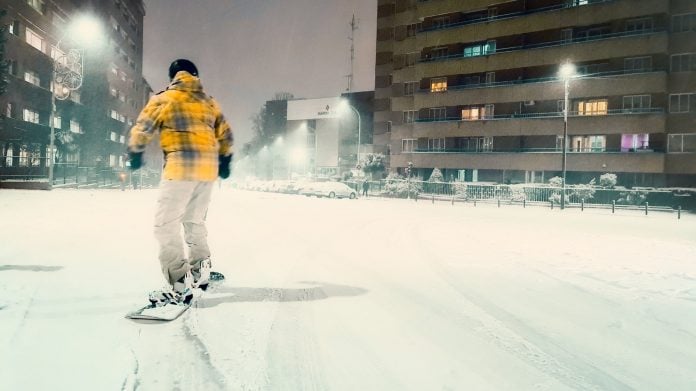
(171, 311)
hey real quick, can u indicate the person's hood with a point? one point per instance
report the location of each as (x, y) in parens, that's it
(184, 81)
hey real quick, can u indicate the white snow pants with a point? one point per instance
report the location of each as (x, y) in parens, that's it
(182, 202)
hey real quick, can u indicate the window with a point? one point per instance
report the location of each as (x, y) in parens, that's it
(114, 114)
(114, 92)
(32, 77)
(638, 25)
(486, 144)
(75, 126)
(560, 105)
(588, 144)
(410, 88)
(472, 113)
(684, 22)
(436, 144)
(412, 29)
(438, 84)
(34, 39)
(57, 122)
(408, 145)
(410, 116)
(683, 62)
(38, 5)
(113, 159)
(592, 107)
(14, 28)
(114, 136)
(12, 67)
(9, 155)
(412, 58)
(589, 69)
(489, 47)
(122, 139)
(636, 103)
(490, 77)
(492, 12)
(473, 51)
(438, 113)
(566, 35)
(9, 112)
(676, 143)
(682, 103)
(488, 111)
(637, 64)
(440, 52)
(30, 116)
(634, 142)
(23, 156)
(440, 22)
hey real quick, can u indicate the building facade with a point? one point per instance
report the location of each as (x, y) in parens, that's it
(98, 94)
(472, 88)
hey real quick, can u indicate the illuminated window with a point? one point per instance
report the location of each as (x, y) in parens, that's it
(30, 116)
(32, 77)
(75, 126)
(588, 143)
(592, 107)
(473, 113)
(34, 39)
(438, 84)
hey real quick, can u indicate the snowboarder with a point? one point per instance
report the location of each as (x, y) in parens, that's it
(197, 145)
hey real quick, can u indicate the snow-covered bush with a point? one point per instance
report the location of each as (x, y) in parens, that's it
(398, 186)
(461, 190)
(436, 176)
(607, 180)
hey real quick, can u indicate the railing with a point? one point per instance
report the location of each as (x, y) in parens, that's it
(564, 42)
(576, 195)
(485, 19)
(555, 114)
(539, 150)
(551, 79)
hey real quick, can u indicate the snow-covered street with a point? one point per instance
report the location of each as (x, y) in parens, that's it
(367, 294)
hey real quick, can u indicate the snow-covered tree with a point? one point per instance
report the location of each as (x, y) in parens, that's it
(373, 164)
(436, 176)
(607, 180)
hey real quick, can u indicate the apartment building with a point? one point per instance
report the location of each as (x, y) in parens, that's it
(472, 88)
(95, 103)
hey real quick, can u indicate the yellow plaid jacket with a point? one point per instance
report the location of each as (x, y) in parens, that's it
(193, 132)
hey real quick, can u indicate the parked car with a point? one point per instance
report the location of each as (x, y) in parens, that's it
(334, 190)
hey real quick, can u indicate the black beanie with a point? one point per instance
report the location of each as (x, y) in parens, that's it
(182, 65)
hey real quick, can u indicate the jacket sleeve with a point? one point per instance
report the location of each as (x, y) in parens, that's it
(223, 133)
(145, 126)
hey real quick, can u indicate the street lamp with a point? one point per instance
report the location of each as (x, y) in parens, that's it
(345, 103)
(565, 73)
(67, 73)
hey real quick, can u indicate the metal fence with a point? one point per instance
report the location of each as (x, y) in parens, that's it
(576, 195)
(74, 175)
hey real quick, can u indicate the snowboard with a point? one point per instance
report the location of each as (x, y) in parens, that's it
(171, 311)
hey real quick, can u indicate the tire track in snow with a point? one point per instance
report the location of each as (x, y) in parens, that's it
(514, 336)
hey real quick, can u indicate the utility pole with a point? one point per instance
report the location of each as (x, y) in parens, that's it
(353, 26)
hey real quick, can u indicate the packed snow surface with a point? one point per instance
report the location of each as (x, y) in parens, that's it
(367, 294)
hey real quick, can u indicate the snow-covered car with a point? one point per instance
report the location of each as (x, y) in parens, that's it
(334, 190)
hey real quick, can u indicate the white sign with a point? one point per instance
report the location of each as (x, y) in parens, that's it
(314, 108)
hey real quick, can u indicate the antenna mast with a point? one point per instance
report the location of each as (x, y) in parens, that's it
(353, 27)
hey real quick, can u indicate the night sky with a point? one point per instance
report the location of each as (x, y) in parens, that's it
(247, 50)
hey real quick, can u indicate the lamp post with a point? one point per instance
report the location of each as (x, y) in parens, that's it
(67, 70)
(566, 72)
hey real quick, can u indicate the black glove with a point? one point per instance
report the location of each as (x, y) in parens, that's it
(224, 166)
(136, 160)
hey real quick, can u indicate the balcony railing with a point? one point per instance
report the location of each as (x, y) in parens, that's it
(487, 18)
(557, 114)
(550, 79)
(564, 42)
(534, 150)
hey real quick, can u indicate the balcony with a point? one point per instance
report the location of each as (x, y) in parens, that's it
(612, 45)
(550, 160)
(615, 83)
(648, 120)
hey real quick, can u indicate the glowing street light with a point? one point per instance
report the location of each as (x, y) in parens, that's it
(84, 31)
(565, 73)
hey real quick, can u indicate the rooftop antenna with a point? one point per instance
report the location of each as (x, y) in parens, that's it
(353, 26)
